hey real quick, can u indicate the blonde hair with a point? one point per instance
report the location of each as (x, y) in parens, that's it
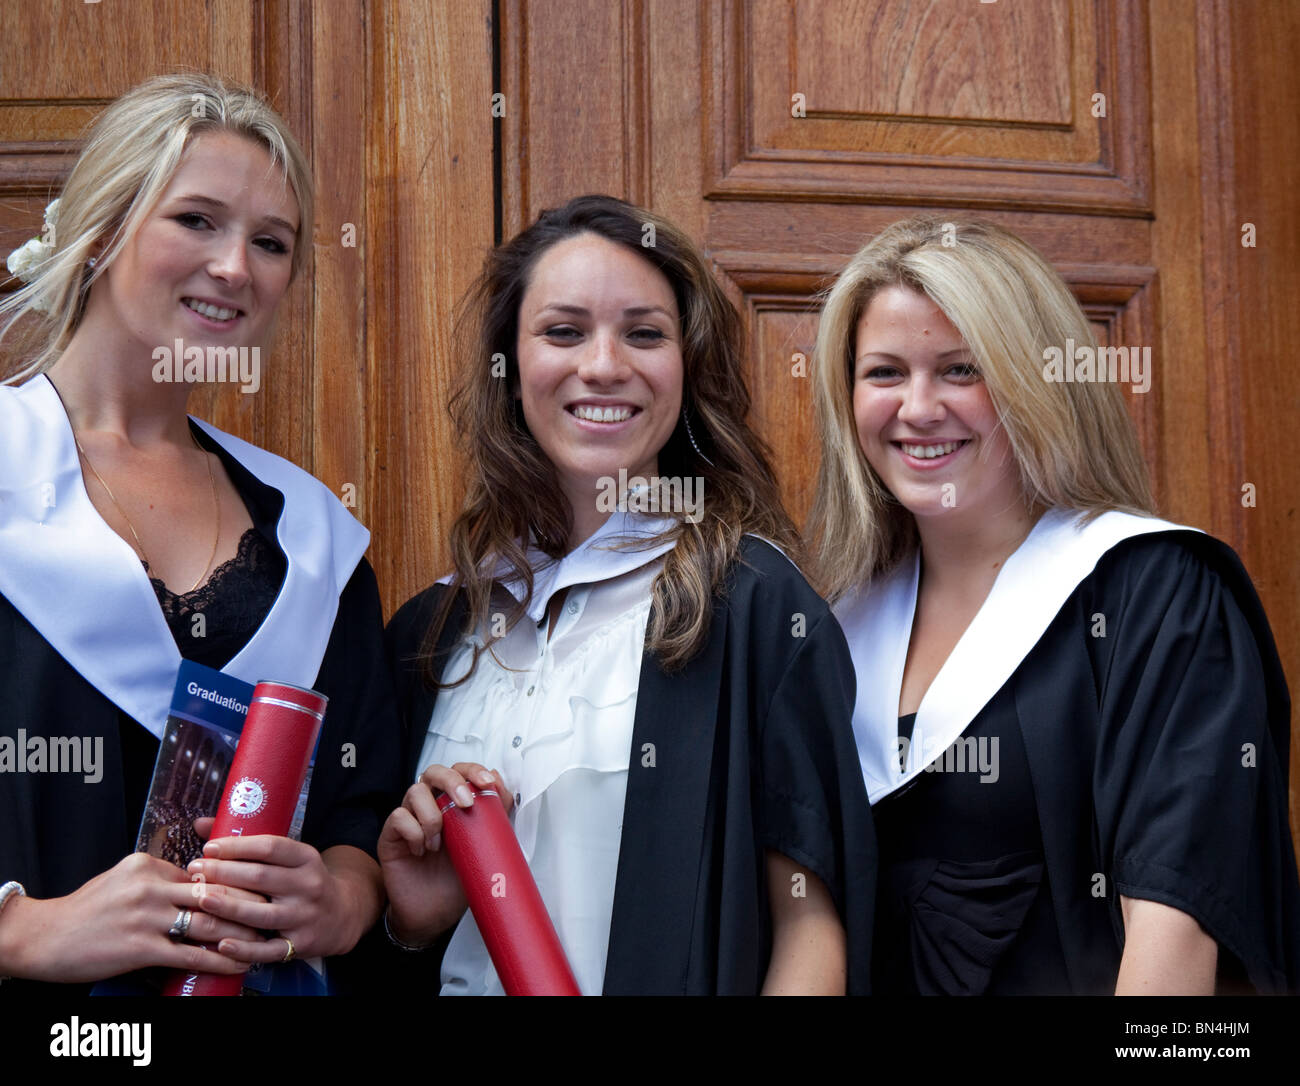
(1074, 443)
(131, 154)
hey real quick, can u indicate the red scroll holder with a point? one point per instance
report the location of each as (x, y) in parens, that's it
(266, 776)
(504, 898)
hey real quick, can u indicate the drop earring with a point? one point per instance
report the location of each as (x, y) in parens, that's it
(691, 438)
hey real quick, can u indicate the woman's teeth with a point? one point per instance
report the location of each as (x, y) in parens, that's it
(602, 414)
(212, 312)
(930, 452)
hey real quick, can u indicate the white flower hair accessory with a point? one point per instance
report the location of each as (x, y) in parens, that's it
(24, 262)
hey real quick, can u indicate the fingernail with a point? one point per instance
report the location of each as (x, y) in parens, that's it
(464, 797)
(486, 778)
(436, 842)
(196, 867)
(212, 849)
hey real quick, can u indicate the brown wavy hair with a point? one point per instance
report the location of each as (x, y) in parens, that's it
(513, 492)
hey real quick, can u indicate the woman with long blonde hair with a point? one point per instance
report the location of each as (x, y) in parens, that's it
(1071, 718)
(133, 537)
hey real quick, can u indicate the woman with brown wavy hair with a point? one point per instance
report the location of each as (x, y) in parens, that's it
(664, 699)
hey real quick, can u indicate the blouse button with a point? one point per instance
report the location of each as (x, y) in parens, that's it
(530, 690)
(573, 607)
(516, 740)
(518, 799)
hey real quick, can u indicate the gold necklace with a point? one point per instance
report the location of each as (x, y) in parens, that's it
(216, 501)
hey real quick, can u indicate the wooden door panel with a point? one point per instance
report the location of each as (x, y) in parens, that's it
(71, 53)
(985, 63)
(569, 80)
(954, 104)
(784, 328)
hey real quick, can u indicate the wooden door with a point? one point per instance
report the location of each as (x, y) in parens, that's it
(780, 134)
(1133, 142)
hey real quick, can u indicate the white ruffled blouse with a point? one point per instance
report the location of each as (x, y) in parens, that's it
(555, 718)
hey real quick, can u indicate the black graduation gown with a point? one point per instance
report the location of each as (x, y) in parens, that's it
(753, 750)
(1179, 746)
(58, 831)
(1156, 748)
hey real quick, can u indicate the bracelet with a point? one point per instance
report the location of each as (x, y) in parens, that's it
(8, 890)
(398, 942)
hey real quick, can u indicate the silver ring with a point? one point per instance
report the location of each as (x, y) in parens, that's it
(181, 925)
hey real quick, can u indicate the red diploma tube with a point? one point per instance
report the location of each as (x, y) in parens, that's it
(266, 776)
(503, 897)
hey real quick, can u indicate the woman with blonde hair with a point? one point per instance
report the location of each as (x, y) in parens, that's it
(664, 701)
(1071, 717)
(133, 537)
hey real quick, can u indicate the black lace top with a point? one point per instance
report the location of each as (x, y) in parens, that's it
(57, 830)
(214, 622)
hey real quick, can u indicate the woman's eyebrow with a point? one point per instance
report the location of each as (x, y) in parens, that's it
(210, 201)
(581, 311)
(886, 356)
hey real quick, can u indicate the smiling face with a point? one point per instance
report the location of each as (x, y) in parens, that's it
(210, 262)
(924, 417)
(600, 363)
